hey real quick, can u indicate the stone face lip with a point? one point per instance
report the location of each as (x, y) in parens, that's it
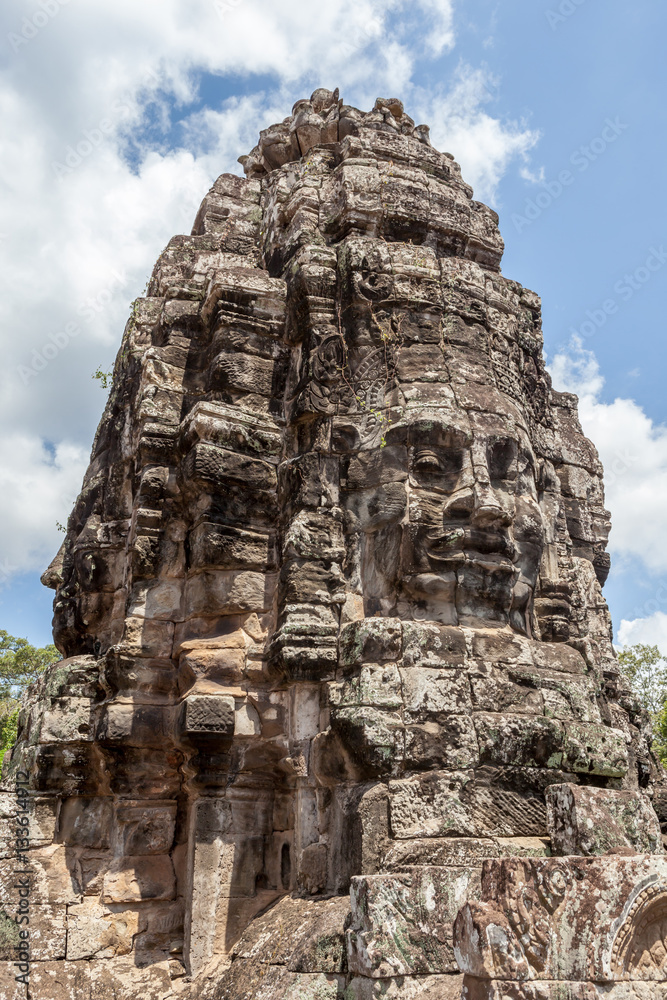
(337, 664)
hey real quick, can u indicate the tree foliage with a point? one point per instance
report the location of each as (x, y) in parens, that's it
(646, 670)
(21, 663)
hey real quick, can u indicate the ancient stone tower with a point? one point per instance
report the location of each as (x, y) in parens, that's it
(339, 713)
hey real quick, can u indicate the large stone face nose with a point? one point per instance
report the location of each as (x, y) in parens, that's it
(487, 508)
(479, 503)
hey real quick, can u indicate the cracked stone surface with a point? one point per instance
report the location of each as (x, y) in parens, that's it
(339, 714)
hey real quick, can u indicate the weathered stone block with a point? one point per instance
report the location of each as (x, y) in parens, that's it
(431, 645)
(430, 805)
(595, 750)
(427, 692)
(53, 876)
(132, 879)
(9, 988)
(48, 932)
(145, 828)
(586, 820)
(584, 919)
(447, 987)
(375, 737)
(519, 740)
(209, 715)
(250, 978)
(230, 591)
(94, 931)
(451, 743)
(42, 820)
(147, 637)
(134, 724)
(313, 868)
(222, 546)
(375, 685)
(309, 935)
(402, 924)
(373, 640)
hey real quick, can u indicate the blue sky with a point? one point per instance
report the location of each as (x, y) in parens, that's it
(555, 110)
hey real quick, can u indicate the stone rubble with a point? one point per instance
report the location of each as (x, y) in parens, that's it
(339, 714)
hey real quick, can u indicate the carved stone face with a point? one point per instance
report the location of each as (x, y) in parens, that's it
(473, 533)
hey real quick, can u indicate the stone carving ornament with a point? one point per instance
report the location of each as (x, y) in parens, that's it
(331, 612)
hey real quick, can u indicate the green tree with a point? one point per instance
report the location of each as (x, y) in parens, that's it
(646, 669)
(20, 664)
(660, 735)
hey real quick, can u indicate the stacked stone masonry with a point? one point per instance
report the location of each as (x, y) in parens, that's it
(339, 715)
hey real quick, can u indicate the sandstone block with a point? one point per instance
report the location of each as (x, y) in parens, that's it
(247, 978)
(595, 750)
(430, 645)
(374, 685)
(48, 932)
(53, 876)
(60, 981)
(42, 819)
(209, 715)
(313, 869)
(428, 692)
(308, 935)
(519, 740)
(132, 879)
(145, 829)
(147, 637)
(69, 720)
(449, 743)
(402, 924)
(9, 988)
(486, 989)
(430, 805)
(86, 822)
(375, 737)
(373, 640)
(590, 919)
(94, 931)
(447, 987)
(586, 820)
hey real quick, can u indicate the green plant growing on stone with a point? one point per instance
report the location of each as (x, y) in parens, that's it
(103, 377)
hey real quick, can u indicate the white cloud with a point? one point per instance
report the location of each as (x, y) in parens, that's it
(482, 144)
(651, 631)
(440, 24)
(633, 451)
(533, 176)
(97, 183)
(38, 487)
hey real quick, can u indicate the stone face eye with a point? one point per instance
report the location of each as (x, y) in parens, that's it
(436, 464)
(501, 458)
(427, 462)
